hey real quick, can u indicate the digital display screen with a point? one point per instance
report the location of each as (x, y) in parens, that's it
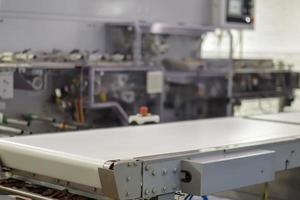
(235, 8)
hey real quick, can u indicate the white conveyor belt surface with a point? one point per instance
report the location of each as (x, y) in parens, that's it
(76, 156)
(290, 117)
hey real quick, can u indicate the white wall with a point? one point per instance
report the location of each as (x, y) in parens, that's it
(276, 35)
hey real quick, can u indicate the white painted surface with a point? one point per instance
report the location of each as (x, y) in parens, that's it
(133, 142)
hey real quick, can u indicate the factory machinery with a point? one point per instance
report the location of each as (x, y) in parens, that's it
(74, 90)
(157, 161)
(143, 64)
(82, 90)
(82, 94)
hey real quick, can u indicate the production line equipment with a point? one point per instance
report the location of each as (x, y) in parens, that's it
(197, 157)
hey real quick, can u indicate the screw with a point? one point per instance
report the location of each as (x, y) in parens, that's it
(129, 164)
(147, 167)
(153, 190)
(174, 187)
(164, 172)
(164, 189)
(175, 170)
(147, 192)
(128, 179)
(293, 152)
(153, 173)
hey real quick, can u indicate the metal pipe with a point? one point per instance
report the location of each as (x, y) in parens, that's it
(31, 117)
(230, 77)
(17, 122)
(11, 130)
(14, 130)
(23, 193)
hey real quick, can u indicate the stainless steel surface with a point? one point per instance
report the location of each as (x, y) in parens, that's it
(237, 169)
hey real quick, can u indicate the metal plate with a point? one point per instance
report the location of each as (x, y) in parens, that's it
(228, 171)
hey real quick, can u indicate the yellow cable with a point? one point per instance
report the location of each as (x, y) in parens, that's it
(266, 192)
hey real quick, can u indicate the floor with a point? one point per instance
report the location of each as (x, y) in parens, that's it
(286, 187)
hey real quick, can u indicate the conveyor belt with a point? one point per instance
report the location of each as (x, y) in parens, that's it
(77, 156)
(287, 118)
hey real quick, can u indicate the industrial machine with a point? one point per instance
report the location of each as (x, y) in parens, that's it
(74, 91)
(196, 89)
(125, 88)
(262, 80)
(92, 94)
(214, 87)
(122, 163)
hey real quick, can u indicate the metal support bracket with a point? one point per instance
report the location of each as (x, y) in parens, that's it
(123, 180)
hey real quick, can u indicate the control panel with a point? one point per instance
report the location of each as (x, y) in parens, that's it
(234, 14)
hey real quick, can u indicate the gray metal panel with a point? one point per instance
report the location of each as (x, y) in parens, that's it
(229, 171)
(69, 24)
(17, 34)
(176, 11)
(123, 182)
(80, 8)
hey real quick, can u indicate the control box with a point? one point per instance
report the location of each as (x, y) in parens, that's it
(234, 14)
